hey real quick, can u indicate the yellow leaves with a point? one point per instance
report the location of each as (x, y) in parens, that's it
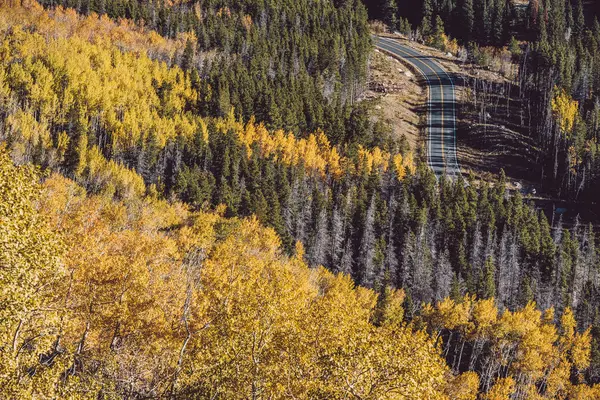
(525, 341)
(548, 316)
(377, 159)
(200, 234)
(402, 356)
(565, 110)
(450, 315)
(314, 152)
(403, 165)
(125, 286)
(485, 315)
(127, 95)
(368, 160)
(224, 11)
(452, 46)
(76, 74)
(247, 22)
(359, 360)
(568, 324)
(533, 339)
(464, 386)
(390, 308)
(503, 389)
(60, 22)
(256, 301)
(25, 134)
(31, 272)
(581, 350)
(576, 346)
(200, 302)
(584, 392)
(111, 178)
(558, 380)
(311, 154)
(62, 144)
(299, 251)
(574, 159)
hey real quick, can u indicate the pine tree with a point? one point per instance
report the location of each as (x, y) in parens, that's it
(547, 248)
(427, 18)
(389, 13)
(500, 23)
(456, 289)
(526, 291)
(483, 20)
(579, 26)
(488, 285)
(439, 38)
(187, 60)
(465, 20)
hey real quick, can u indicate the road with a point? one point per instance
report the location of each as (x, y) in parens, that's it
(441, 107)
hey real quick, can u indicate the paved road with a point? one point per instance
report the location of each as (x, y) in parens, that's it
(441, 107)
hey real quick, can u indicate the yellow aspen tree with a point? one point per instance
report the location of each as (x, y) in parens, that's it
(124, 286)
(584, 392)
(464, 386)
(30, 280)
(485, 316)
(399, 166)
(565, 110)
(502, 389)
(575, 346)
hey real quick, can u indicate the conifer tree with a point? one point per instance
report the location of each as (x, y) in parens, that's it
(427, 18)
(465, 20)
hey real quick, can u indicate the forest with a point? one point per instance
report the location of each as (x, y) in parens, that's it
(186, 215)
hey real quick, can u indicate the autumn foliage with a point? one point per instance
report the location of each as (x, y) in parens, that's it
(525, 354)
(144, 298)
(109, 290)
(74, 97)
(565, 110)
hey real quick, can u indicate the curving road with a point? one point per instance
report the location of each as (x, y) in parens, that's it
(441, 107)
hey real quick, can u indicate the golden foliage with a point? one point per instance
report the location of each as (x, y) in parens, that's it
(502, 390)
(247, 22)
(315, 152)
(464, 386)
(525, 341)
(404, 165)
(181, 304)
(31, 269)
(65, 23)
(69, 71)
(565, 110)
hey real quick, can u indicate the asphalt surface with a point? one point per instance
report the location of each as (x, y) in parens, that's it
(441, 107)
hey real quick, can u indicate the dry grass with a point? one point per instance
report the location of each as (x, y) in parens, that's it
(402, 98)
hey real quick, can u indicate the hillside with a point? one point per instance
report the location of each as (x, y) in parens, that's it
(144, 298)
(203, 200)
(119, 299)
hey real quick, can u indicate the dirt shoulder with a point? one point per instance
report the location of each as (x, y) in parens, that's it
(396, 97)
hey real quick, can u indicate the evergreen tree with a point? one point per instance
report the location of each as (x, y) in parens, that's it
(465, 20)
(488, 285)
(427, 18)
